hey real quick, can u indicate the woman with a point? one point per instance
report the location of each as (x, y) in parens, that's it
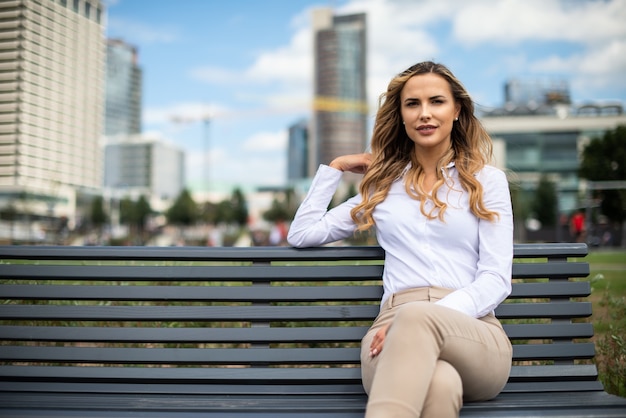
(444, 218)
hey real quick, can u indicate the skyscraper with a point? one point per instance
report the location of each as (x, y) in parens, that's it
(298, 151)
(123, 90)
(51, 95)
(340, 103)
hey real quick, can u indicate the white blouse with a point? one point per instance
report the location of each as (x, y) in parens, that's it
(465, 253)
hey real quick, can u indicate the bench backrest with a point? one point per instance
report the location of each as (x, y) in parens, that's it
(253, 319)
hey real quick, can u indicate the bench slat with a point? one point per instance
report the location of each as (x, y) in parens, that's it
(259, 293)
(189, 313)
(329, 387)
(563, 372)
(558, 351)
(256, 254)
(217, 254)
(186, 375)
(556, 269)
(543, 250)
(256, 273)
(261, 313)
(550, 290)
(214, 356)
(253, 335)
(548, 331)
(544, 310)
(184, 335)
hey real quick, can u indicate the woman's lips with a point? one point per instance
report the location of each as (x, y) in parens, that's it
(426, 129)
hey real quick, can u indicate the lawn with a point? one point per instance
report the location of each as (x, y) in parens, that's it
(608, 283)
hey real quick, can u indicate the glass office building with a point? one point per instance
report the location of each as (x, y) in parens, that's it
(549, 145)
(123, 90)
(298, 151)
(340, 103)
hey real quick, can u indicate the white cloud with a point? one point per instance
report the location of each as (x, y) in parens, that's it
(266, 141)
(589, 71)
(515, 21)
(291, 64)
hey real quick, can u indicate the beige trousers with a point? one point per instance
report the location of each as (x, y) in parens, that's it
(433, 358)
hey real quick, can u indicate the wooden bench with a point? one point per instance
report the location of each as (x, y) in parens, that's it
(256, 332)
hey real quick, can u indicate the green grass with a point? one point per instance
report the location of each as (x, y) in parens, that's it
(608, 281)
(608, 284)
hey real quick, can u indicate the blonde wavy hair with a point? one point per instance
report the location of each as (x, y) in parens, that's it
(393, 151)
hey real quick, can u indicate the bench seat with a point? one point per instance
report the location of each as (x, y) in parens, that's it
(258, 332)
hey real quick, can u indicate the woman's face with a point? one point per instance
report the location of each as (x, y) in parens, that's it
(428, 111)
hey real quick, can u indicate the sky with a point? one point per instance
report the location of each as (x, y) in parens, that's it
(223, 80)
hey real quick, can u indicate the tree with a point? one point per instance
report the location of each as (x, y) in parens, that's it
(282, 209)
(224, 212)
(184, 211)
(277, 212)
(127, 211)
(239, 207)
(545, 204)
(142, 211)
(604, 159)
(98, 215)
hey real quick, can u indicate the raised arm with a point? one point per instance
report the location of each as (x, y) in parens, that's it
(313, 224)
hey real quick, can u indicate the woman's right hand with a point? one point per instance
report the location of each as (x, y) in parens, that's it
(379, 339)
(355, 163)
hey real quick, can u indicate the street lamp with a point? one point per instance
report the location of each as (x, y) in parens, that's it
(206, 122)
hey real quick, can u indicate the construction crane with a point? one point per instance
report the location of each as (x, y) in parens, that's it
(319, 103)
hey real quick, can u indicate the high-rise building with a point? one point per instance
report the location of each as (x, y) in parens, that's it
(51, 103)
(139, 165)
(340, 102)
(123, 90)
(298, 151)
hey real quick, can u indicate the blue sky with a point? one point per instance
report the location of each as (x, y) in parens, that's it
(247, 64)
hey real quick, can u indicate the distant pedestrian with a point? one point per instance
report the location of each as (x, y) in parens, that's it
(577, 226)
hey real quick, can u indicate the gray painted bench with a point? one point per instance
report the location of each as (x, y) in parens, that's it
(256, 332)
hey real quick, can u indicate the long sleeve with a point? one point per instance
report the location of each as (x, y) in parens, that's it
(313, 224)
(492, 283)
